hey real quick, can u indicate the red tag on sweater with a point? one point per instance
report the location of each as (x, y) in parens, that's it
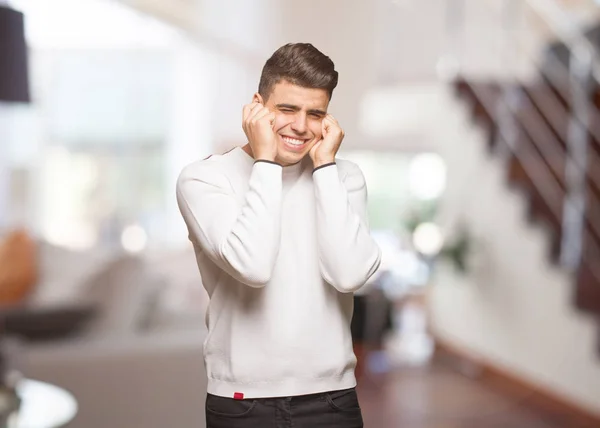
(238, 396)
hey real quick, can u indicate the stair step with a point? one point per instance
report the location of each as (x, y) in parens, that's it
(482, 97)
(485, 101)
(538, 209)
(540, 159)
(559, 86)
(556, 117)
(587, 291)
(545, 143)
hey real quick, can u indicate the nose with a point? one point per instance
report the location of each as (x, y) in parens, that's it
(299, 123)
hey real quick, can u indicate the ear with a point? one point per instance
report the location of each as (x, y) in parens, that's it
(257, 98)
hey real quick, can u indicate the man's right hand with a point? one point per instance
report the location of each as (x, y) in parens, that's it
(257, 123)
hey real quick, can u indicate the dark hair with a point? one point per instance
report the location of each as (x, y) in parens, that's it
(301, 64)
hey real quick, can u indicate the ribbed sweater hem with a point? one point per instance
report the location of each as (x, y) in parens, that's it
(285, 388)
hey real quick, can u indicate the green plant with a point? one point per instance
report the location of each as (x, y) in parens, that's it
(457, 251)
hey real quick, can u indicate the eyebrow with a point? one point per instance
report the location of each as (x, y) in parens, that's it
(296, 108)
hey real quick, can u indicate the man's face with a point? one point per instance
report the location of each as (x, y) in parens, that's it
(298, 115)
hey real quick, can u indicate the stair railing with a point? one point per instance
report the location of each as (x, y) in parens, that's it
(584, 118)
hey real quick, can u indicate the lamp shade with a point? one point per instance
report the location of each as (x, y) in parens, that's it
(14, 76)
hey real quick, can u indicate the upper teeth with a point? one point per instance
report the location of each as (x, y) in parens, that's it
(293, 141)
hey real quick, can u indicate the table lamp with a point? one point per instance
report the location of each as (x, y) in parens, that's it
(14, 85)
(14, 88)
(14, 74)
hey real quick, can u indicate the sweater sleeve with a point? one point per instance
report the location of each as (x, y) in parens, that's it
(348, 255)
(242, 239)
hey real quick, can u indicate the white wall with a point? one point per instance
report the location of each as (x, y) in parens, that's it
(4, 173)
(373, 43)
(345, 31)
(18, 145)
(191, 132)
(515, 308)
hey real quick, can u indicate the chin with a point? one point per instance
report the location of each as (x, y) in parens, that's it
(287, 158)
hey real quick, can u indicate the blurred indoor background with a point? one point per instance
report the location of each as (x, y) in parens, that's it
(475, 123)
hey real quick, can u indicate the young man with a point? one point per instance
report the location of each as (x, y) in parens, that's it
(280, 233)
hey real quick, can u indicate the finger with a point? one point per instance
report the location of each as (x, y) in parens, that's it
(246, 110)
(260, 114)
(331, 119)
(254, 111)
(247, 113)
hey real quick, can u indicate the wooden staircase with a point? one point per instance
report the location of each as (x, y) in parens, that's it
(536, 154)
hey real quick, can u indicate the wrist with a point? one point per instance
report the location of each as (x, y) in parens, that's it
(265, 156)
(323, 161)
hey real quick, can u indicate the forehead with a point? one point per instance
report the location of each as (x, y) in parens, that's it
(285, 92)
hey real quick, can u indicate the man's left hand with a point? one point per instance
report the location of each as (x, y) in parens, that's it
(324, 150)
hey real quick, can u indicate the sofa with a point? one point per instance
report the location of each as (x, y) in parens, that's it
(138, 362)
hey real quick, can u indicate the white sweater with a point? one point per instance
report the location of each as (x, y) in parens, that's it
(280, 252)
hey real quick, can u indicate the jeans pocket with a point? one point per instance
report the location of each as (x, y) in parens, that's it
(223, 406)
(345, 400)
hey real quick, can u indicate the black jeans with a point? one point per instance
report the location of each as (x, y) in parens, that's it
(334, 409)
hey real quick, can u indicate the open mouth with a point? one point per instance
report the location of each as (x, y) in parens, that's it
(294, 144)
